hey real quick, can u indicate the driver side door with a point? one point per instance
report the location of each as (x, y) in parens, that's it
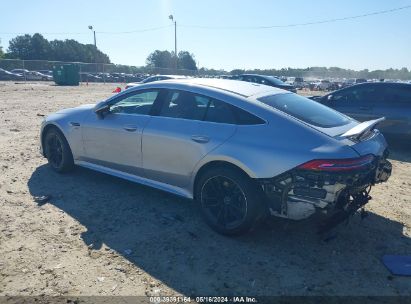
(114, 139)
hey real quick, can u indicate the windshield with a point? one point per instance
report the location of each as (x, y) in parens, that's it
(306, 110)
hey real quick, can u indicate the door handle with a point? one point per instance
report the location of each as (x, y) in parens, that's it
(74, 124)
(365, 108)
(130, 128)
(200, 139)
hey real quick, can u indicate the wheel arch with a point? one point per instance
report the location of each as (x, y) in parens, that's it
(46, 129)
(219, 163)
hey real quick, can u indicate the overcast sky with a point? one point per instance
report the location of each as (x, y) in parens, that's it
(374, 42)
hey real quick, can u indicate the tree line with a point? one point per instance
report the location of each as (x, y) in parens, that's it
(36, 47)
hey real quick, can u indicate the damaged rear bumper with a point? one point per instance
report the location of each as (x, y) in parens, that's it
(297, 194)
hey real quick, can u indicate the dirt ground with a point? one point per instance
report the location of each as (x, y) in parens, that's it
(100, 235)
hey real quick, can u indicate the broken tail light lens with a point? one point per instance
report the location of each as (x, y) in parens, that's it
(338, 164)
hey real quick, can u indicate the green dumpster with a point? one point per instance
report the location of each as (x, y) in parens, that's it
(66, 74)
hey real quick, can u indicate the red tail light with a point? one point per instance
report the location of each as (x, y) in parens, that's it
(338, 164)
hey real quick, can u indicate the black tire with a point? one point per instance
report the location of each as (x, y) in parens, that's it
(58, 151)
(230, 201)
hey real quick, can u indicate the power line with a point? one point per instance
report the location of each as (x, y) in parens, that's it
(137, 31)
(227, 27)
(297, 24)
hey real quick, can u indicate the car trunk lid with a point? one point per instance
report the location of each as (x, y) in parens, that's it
(362, 137)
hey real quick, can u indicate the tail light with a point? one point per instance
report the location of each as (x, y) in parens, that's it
(333, 165)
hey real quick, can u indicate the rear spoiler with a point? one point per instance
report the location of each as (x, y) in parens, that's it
(362, 128)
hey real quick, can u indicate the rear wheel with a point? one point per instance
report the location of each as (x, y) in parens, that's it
(230, 201)
(58, 151)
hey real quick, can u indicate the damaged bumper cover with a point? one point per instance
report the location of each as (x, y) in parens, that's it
(299, 193)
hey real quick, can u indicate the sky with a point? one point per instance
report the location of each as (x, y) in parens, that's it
(221, 33)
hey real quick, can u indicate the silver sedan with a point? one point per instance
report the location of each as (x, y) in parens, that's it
(242, 150)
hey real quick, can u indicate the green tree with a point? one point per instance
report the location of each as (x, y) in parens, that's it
(36, 47)
(1, 51)
(160, 59)
(40, 47)
(20, 47)
(166, 60)
(186, 61)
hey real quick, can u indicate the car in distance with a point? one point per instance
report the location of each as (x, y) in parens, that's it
(371, 100)
(241, 150)
(267, 80)
(6, 75)
(155, 78)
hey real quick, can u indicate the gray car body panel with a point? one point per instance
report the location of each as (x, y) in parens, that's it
(397, 115)
(162, 154)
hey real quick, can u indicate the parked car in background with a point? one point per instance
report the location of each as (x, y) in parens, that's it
(299, 83)
(242, 150)
(155, 78)
(6, 75)
(34, 75)
(20, 71)
(46, 72)
(352, 81)
(371, 100)
(267, 80)
(323, 85)
(360, 80)
(89, 77)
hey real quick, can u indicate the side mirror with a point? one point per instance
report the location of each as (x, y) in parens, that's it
(101, 108)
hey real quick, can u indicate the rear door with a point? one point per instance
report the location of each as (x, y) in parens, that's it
(176, 139)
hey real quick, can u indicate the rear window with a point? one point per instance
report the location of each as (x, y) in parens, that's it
(306, 110)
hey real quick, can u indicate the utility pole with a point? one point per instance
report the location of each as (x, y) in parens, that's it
(94, 32)
(95, 45)
(175, 38)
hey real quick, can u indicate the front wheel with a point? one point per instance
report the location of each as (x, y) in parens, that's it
(230, 201)
(58, 151)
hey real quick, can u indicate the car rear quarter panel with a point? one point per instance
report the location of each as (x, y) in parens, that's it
(265, 151)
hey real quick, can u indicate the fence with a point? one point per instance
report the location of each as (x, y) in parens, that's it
(92, 72)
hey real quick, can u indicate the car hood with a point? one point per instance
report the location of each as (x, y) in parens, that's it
(78, 109)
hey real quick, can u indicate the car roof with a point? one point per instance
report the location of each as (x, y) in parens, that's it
(243, 88)
(380, 84)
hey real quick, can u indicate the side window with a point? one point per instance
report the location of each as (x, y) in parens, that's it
(186, 105)
(137, 103)
(247, 78)
(254, 79)
(263, 81)
(363, 95)
(246, 118)
(398, 95)
(221, 112)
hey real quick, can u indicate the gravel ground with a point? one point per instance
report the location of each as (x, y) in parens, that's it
(100, 235)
